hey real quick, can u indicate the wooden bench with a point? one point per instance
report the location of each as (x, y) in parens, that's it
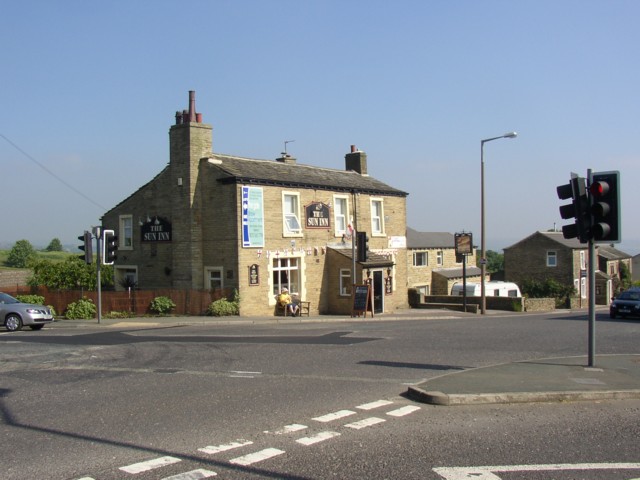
(303, 309)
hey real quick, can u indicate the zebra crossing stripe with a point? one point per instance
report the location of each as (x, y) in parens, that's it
(401, 412)
(256, 457)
(192, 475)
(329, 417)
(320, 437)
(223, 448)
(367, 422)
(150, 464)
(376, 404)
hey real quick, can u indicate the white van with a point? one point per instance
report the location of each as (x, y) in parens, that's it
(492, 289)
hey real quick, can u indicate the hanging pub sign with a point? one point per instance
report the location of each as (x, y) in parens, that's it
(464, 243)
(156, 229)
(318, 215)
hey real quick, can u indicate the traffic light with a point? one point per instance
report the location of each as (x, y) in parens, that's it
(605, 207)
(578, 209)
(86, 247)
(109, 247)
(362, 245)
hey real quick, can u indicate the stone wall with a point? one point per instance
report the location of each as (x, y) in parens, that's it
(14, 277)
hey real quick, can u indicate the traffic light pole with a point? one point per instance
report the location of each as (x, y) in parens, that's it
(98, 233)
(592, 290)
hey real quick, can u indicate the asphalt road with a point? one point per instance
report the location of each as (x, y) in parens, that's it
(301, 401)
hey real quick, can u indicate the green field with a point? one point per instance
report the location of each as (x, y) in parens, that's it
(40, 255)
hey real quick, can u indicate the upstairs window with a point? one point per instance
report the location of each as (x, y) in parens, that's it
(439, 258)
(420, 259)
(291, 213)
(552, 258)
(377, 217)
(125, 235)
(340, 214)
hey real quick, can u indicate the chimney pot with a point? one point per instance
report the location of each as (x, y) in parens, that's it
(353, 149)
(192, 106)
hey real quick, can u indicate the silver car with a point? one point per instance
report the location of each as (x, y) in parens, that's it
(14, 314)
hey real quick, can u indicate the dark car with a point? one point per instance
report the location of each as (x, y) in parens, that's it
(14, 314)
(626, 304)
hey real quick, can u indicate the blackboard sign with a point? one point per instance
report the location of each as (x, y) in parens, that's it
(361, 300)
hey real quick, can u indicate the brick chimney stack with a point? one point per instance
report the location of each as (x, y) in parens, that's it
(356, 160)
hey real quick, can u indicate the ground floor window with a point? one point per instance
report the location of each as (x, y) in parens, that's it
(423, 289)
(286, 274)
(213, 278)
(345, 282)
(126, 277)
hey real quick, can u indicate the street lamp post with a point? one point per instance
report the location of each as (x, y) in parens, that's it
(483, 257)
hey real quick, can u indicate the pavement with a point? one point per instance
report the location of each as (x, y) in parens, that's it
(539, 380)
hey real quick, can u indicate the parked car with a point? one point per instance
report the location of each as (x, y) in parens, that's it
(14, 314)
(627, 303)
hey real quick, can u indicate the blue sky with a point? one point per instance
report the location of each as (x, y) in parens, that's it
(90, 89)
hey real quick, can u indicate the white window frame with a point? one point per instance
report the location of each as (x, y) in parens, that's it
(293, 271)
(583, 287)
(125, 232)
(583, 262)
(440, 258)
(552, 254)
(290, 218)
(377, 217)
(340, 218)
(425, 263)
(345, 282)
(207, 277)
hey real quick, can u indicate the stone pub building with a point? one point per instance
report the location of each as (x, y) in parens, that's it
(215, 221)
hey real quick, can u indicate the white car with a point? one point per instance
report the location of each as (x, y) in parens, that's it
(15, 314)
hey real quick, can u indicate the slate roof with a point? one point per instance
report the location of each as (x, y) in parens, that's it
(451, 273)
(611, 253)
(374, 260)
(270, 172)
(573, 243)
(417, 239)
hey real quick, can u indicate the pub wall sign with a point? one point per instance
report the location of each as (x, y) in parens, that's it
(318, 215)
(157, 229)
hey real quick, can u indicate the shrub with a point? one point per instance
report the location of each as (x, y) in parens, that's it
(162, 305)
(224, 307)
(34, 299)
(83, 308)
(119, 315)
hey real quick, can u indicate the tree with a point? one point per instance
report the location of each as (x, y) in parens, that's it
(54, 246)
(21, 254)
(495, 261)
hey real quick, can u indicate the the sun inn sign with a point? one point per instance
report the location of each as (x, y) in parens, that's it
(156, 229)
(318, 215)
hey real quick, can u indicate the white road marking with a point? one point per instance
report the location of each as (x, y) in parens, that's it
(150, 464)
(192, 475)
(367, 422)
(376, 404)
(486, 473)
(320, 437)
(224, 447)
(243, 374)
(257, 457)
(401, 412)
(294, 427)
(329, 417)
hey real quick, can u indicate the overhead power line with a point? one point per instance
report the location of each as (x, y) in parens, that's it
(61, 180)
